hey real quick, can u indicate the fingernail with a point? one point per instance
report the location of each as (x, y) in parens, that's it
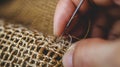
(68, 57)
(56, 32)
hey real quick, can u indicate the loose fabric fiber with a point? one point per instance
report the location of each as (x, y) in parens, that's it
(21, 47)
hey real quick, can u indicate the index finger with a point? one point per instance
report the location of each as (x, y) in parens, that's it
(64, 11)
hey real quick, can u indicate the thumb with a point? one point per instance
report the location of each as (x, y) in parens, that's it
(93, 53)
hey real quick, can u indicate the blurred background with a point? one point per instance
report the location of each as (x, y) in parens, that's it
(36, 14)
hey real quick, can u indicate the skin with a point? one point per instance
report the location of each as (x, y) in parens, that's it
(115, 32)
(89, 52)
(92, 52)
(69, 7)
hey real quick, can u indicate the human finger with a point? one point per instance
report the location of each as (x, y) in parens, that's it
(93, 53)
(64, 11)
(65, 8)
(99, 27)
(115, 31)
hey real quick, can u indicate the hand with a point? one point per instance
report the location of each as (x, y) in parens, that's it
(93, 53)
(103, 18)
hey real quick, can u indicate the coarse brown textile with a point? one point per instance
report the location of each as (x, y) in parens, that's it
(21, 47)
(37, 14)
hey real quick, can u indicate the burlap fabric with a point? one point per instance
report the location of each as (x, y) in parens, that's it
(37, 14)
(22, 47)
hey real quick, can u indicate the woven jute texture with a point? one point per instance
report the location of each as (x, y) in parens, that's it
(37, 14)
(22, 47)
